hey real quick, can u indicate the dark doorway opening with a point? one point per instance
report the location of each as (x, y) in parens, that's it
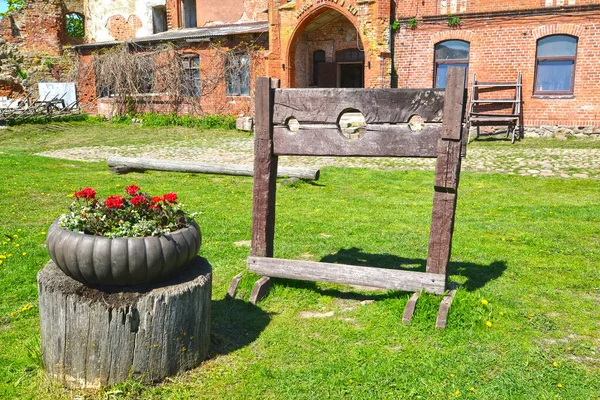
(351, 76)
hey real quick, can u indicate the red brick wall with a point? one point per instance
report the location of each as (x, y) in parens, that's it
(500, 48)
(123, 29)
(38, 27)
(212, 101)
(419, 8)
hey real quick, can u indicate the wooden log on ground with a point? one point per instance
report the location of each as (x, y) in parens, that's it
(93, 337)
(122, 165)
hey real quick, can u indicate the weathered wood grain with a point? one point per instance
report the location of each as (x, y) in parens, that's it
(409, 309)
(123, 165)
(324, 106)
(260, 289)
(233, 286)
(374, 140)
(454, 103)
(447, 166)
(348, 274)
(93, 337)
(442, 317)
(265, 171)
(442, 227)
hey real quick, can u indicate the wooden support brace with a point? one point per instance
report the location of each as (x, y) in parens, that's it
(409, 310)
(233, 286)
(260, 289)
(442, 317)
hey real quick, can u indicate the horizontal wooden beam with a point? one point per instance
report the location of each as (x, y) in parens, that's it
(122, 165)
(393, 279)
(372, 141)
(323, 106)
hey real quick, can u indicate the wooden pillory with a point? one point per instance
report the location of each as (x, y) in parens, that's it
(387, 134)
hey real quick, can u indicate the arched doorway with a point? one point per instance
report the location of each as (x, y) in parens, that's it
(328, 52)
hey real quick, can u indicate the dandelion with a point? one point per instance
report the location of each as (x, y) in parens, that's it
(488, 324)
(570, 348)
(457, 393)
(558, 385)
(555, 364)
(24, 253)
(472, 389)
(451, 375)
(501, 313)
(43, 233)
(484, 302)
(1, 262)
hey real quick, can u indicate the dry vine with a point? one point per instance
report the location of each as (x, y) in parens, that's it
(166, 79)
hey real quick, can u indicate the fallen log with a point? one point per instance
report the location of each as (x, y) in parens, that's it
(123, 165)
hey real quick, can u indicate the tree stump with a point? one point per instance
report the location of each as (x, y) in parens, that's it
(95, 336)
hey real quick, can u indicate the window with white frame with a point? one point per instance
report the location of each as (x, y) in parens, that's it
(555, 62)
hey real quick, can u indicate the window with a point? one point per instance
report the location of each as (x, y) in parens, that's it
(191, 75)
(237, 75)
(188, 13)
(159, 19)
(318, 57)
(555, 65)
(451, 53)
(74, 25)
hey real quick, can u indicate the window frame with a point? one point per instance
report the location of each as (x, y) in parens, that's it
(238, 76)
(436, 62)
(189, 75)
(541, 93)
(155, 14)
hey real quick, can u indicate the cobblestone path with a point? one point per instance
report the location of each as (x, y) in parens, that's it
(565, 163)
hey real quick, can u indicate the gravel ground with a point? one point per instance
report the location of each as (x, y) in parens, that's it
(565, 163)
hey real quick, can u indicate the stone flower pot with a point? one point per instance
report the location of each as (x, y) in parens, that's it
(98, 260)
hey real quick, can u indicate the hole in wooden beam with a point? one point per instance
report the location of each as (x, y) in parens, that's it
(416, 123)
(292, 124)
(351, 123)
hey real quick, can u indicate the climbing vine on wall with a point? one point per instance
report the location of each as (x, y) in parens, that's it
(167, 79)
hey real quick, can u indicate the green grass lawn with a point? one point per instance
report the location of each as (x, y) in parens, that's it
(529, 246)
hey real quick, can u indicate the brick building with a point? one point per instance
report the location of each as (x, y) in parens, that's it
(554, 44)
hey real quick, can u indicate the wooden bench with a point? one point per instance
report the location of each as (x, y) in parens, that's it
(488, 111)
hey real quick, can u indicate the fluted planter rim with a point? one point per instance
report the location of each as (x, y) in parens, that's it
(127, 261)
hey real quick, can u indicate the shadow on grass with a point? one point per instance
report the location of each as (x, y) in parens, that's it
(235, 324)
(477, 275)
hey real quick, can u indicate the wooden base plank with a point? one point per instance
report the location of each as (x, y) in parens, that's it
(260, 289)
(409, 310)
(393, 279)
(442, 317)
(233, 286)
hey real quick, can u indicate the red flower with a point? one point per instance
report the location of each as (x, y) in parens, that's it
(87, 193)
(157, 199)
(114, 202)
(153, 207)
(138, 200)
(132, 189)
(170, 197)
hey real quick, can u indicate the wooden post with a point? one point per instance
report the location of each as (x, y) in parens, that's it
(265, 179)
(447, 174)
(265, 172)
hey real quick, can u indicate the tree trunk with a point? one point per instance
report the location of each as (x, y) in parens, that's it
(92, 337)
